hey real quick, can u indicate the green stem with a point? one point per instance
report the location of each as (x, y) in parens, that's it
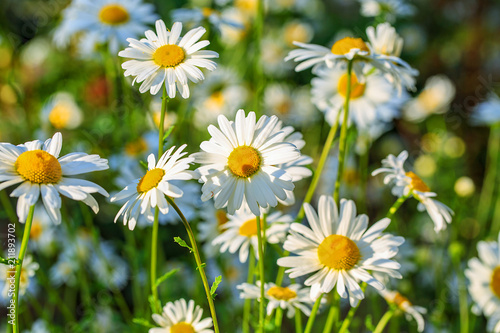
(333, 314)
(279, 319)
(19, 266)
(7, 205)
(321, 164)
(352, 311)
(247, 307)
(199, 263)
(298, 321)
(258, 70)
(154, 233)
(394, 208)
(488, 189)
(343, 135)
(314, 312)
(261, 274)
(495, 224)
(384, 320)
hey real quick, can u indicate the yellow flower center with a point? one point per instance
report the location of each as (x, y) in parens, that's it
(357, 89)
(338, 252)
(136, 147)
(36, 230)
(38, 167)
(495, 281)
(113, 14)
(244, 161)
(345, 45)
(169, 55)
(182, 327)
(60, 115)
(206, 11)
(249, 228)
(281, 293)
(401, 301)
(150, 180)
(221, 217)
(417, 184)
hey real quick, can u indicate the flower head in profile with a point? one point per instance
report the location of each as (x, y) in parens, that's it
(181, 316)
(340, 250)
(96, 22)
(239, 233)
(403, 304)
(361, 54)
(42, 173)
(408, 183)
(483, 274)
(241, 163)
(148, 192)
(165, 57)
(387, 9)
(289, 298)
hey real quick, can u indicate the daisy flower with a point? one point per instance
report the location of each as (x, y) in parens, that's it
(288, 298)
(483, 274)
(373, 101)
(103, 21)
(390, 9)
(494, 323)
(340, 250)
(166, 57)
(240, 232)
(487, 113)
(408, 183)
(148, 192)
(61, 111)
(180, 316)
(385, 40)
(361, 53)
(7, 276)
(410, 310)
(241, 163)
(435, 98)
(43, 173)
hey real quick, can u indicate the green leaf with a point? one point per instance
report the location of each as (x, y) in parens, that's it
(165, 276)
(144, 164)
(182, 243)
(214, 286)
(142, 322)
(168, 132)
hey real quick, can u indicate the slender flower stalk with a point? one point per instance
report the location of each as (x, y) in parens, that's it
(298, 322)
(258, 70)
(199, 264)
(19, 266)
(314, 312)
(261, 274)
(278, 319)
(247, 307)
(384, 321)
(352, 311)
(333, 314)
(394, 208)
(154, 233)
(343, 134)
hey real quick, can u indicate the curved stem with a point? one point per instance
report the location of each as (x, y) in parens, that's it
(247, 306)
(261, 274)
(394, 208)
(333, 314)
(383, 321)
(314, 312)
(343, 135)
(199, 264)
(19, 266)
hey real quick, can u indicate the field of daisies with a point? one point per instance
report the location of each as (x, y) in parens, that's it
(302, 166)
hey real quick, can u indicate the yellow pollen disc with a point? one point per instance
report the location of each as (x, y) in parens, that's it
(38, 167)
(113, 14)
(401, 301)
(136, 147)
(60, 116)
(345, 45)
(338, 252)
(249, 228)
(36, 230)
(206, 12)
(495, 281)
(357, 89)
(281, 293)
(417, 184)
(244, 161)
(150, 180)
(182, 327)
(221, 217)
(168, 55)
